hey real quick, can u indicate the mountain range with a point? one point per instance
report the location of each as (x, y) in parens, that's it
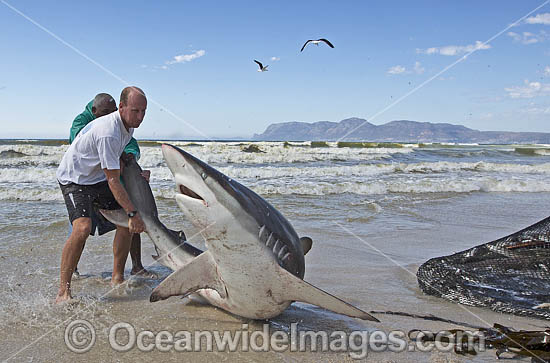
(357, 129)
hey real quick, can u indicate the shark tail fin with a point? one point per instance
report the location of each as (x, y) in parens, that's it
(299, 290)
(116, 216)
(199, 273)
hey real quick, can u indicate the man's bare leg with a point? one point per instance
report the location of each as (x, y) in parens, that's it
(71, 254)
(121, 247)
(135, 254)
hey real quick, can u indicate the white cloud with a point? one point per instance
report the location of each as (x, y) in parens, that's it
(528, 90)
(536, 109)
(396, 70)
(186, 57)
(399, 69)
(418, 69)
(543, 18)
(275, 59)
(454, 49)
(528, 37)
(547, 71)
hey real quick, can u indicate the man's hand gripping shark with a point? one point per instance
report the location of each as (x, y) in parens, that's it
(254, 264)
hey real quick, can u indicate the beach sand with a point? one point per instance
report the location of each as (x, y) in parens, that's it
(370, 263)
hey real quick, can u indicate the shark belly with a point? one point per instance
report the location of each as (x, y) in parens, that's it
(252, 282)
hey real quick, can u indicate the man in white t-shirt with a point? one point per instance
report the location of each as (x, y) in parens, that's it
(89, 175)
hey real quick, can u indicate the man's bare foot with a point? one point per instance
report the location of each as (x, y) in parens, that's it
(63, 297)
(143, 273)
(117, 281)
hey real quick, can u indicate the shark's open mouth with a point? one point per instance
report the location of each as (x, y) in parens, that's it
(188, 192)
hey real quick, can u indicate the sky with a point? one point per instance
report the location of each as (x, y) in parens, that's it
(481, 64)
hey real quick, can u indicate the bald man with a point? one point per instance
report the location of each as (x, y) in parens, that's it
(103, 104)
(89, 176)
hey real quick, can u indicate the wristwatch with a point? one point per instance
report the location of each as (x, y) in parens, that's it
(132, 213)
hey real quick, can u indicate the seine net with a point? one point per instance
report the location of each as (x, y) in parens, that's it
(509, 275)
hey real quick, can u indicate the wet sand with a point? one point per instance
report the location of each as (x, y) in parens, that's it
(370, 262)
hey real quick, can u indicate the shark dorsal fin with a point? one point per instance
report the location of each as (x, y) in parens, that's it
(199, 273)
(297, 289)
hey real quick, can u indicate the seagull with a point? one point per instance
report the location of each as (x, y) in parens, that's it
(262, 68)
(317, 43)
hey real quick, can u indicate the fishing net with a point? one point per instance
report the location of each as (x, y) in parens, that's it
(509, 275)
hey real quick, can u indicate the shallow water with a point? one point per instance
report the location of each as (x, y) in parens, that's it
(368, 243)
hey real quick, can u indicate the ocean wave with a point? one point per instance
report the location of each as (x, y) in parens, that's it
(216, 153)
(52, 193)
(276, 152)
(249, 174)
(417, 187)
(4, 154)
(533, 151)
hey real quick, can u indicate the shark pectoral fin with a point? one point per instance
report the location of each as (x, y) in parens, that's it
(306, 244)
(199, 273)
(298, 290)
(116, 216)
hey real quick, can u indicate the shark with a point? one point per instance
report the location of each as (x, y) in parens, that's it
(253, 265)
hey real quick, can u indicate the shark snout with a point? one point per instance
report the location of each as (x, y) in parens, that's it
(188, 178)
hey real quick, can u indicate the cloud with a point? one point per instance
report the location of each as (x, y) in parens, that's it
(528, 37)
(275, 59)
(547, 71)
(451, 50)
(396, 70)
(418, 69)
(537, 110)
(186, 57)
(543, 18)
(529, 90)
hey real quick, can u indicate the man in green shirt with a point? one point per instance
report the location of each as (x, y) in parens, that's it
(104, 104)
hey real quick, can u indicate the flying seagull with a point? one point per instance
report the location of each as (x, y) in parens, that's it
(317, 43)
(262, 68)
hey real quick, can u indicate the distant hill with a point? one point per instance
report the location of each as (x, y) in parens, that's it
(394, 131)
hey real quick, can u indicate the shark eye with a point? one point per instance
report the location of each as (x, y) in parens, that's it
(204, 176)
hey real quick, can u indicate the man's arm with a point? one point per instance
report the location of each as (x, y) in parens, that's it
(78, 124)
(80, 121)
(133, 148)
(135, 224)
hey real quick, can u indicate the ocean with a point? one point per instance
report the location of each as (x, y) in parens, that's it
(375, 212)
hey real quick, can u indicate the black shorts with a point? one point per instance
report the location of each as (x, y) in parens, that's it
(86, 200)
